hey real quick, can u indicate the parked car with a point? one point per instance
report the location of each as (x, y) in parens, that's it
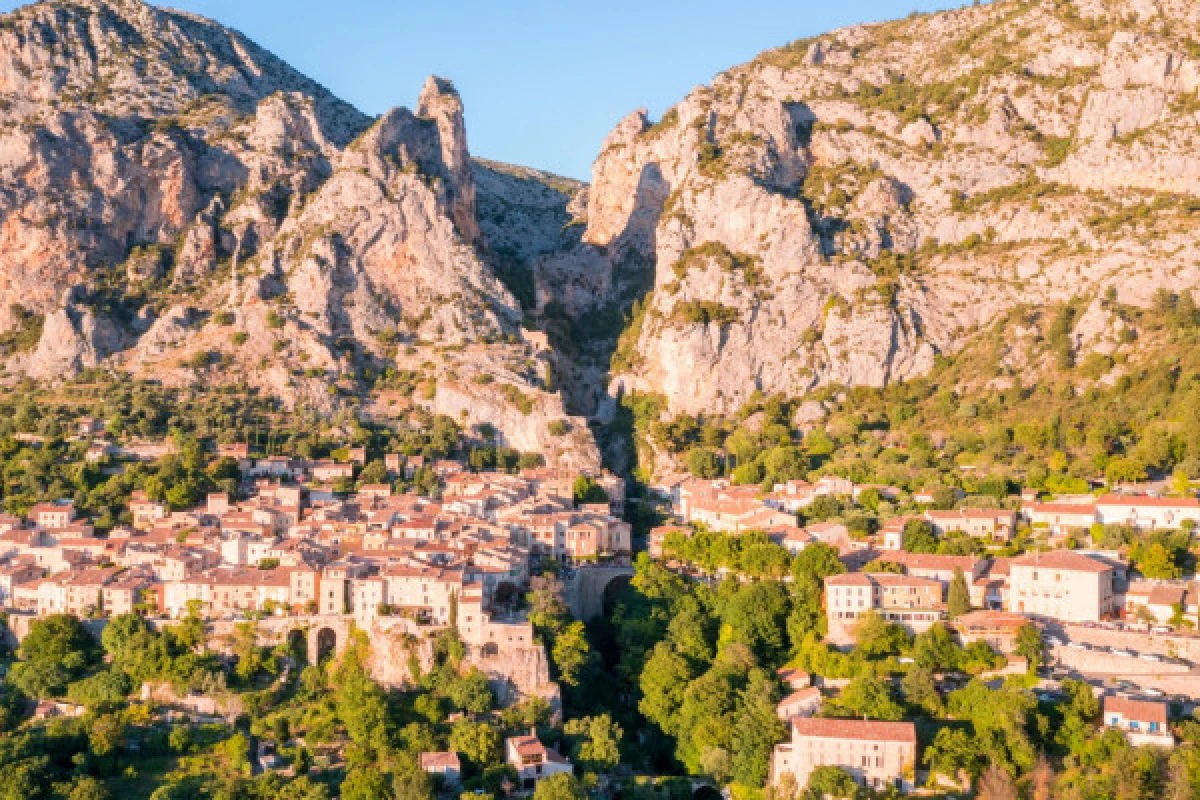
(1120, 651)
(1162, 629)
(1151, 692)
(1150, 657)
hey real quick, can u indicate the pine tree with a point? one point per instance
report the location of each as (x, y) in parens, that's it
(959, 600)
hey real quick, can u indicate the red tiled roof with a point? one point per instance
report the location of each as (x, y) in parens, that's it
(528, 745)
(789, 674)
(1061, 559)
(1140, 710)
(800, 696)
(1152, 502)
(994, 620)
(970, 513)
(442, 760)
(1166, 595)
(848, 579)
(868, 730)
(1061, 508)
(932, 561)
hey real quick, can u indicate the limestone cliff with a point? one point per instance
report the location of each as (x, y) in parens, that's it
(843, 209)
(182, 205)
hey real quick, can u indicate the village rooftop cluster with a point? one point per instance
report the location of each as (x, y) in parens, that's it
(1096, 614)
(295, 547)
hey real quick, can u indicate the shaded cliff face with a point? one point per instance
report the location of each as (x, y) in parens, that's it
(843, 209)
(181, 205)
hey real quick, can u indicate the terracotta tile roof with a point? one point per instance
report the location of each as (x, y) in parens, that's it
(440, 760)
(1061, 508)
(932, 561)
(527, 746)
(1166, 595)
(1148, 502)
(848, 579)
(970, 513)
(790, 674)
(1140, 710)
(801, 696)
(891, 580)
(994, 620)
(1062, 559)
(861, 729)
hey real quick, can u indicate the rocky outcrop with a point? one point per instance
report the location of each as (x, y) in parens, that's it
(439, 101)
(73, 338)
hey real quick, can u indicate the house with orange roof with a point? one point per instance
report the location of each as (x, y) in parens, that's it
(800, 703)
(1154, 600)
(911, 602)
(532, 760)
(997, 628)
(1059, 517)
(50, 516)
(993, 524)
(1062, 584)
(443, 763)
(878, 755)
(1144, 722)
(1147, 513)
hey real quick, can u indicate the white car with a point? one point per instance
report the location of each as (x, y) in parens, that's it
(1120, 652)
(1150, 657)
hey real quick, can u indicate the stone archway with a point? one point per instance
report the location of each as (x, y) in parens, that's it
(324, 644)
(297, 644)
(590, 590)
(613, 590)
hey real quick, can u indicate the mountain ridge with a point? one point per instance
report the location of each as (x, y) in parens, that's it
(189, 209)
(842, 211)
(848, 208)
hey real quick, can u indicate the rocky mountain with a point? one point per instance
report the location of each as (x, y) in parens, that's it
(845, 209)
(181, 205)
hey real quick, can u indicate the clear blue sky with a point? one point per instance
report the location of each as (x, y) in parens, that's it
(543, 80)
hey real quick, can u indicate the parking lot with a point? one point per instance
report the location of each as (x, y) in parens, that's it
(1129, 673)
(1125, 637)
